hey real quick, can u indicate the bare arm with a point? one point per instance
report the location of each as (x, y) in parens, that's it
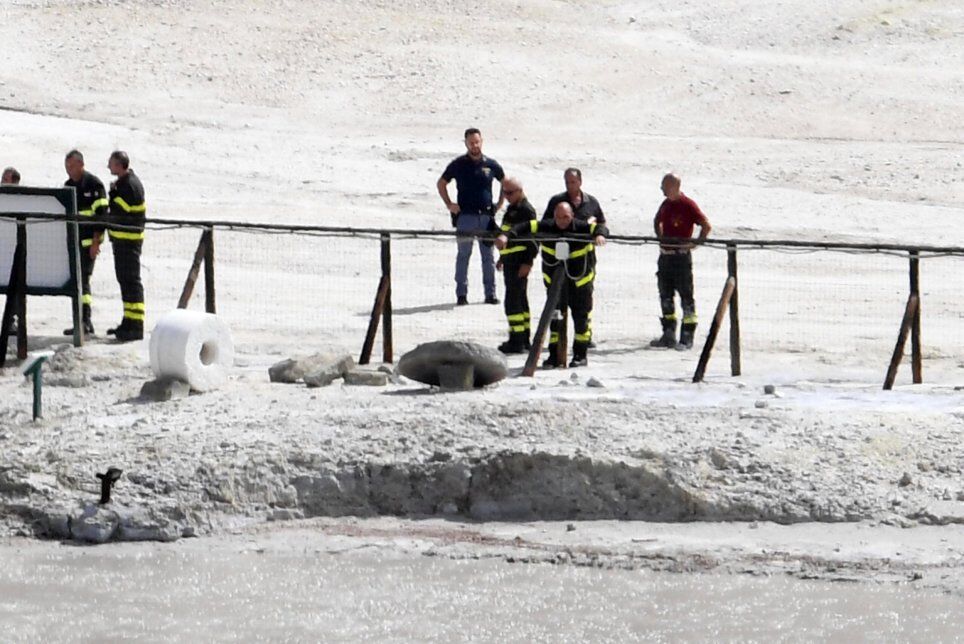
(443, 192)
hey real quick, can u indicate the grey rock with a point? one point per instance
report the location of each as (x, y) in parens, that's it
(905, 480)
(761, 404)
(285, 514)
(769, 389)
(595, 382)
(95, 524)
(164, 389)
(386, 368)
(294, 369)
(323, 377)
(72, 380)
(323, 368)
(370, 378)
(422, 363)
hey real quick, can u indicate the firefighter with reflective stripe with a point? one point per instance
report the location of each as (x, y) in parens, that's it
(578, 272)
(92, 211)
(676, 218)
(515, 262)
(126, 231)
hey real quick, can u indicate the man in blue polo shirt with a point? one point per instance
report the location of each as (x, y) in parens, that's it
(473, 212)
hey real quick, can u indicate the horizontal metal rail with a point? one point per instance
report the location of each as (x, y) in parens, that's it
(414, 232)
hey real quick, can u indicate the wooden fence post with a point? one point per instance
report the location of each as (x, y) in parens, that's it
(905, 326)
(728, 290)
(387, 339)
(915, 350)
(552, 301)
(736, 361)
(381, 308)
(210, 297)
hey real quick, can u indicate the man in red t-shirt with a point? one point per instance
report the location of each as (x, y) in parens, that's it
(674, 223)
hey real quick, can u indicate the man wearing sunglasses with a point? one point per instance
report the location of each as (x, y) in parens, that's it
(515, 262)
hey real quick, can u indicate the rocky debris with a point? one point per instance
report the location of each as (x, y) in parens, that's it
(328, 368)
(164, 389)
(369, 378)
(769, 389)
(905, 480)
(93, 523)
(595, 382)
(423, 362)
(317, 366)
(71, 380)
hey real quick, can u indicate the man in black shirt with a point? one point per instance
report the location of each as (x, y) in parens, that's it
(585, 207)
(581, 238)
(515, 262)
(128, 209)
(473, 212)
(92, 207)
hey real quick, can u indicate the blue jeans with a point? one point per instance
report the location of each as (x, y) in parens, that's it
(473, 223)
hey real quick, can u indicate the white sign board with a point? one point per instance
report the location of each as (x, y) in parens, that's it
(48, 242)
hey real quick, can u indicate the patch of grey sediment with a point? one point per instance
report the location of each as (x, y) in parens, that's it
(502, 486)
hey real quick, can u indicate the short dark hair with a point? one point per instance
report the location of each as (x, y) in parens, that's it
(573, 171)
(472, 130)
(121, 157)
(14, 175)
(75, 154)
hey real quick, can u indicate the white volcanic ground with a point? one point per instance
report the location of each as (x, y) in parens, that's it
(800, 120)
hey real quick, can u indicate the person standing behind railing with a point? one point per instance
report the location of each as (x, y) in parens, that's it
(675, 219)
(578, 273)
(515, 262)
(92, 206)
(585, 207)
(126, 231)
(10, 177)
(473, 212)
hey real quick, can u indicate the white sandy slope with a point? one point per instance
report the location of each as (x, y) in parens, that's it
(803, 120)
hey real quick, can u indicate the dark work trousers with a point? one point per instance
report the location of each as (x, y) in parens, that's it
(127, 268)
(675, 275)
(86, 270)
(516, 300)
(579, 299)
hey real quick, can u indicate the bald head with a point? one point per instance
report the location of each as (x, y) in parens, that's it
(562, 215)
(512, 190)
(670, 186)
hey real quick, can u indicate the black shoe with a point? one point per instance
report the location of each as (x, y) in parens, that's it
(550, 363)
(462, 301)
(684, 345)
(509, 347)
(492, 300)
(88, 328)
(129, 334)
(578, 362)
(114, 330)
(667, 341)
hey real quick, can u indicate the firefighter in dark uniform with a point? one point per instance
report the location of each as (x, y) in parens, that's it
(92, 210)
(126, 231)
(579, 273)
(515, 262)
(675, 219)
(585, 207)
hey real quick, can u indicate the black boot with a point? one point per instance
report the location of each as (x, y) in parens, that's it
(668, 339)
(515, 343)
(123, 325)
(86, 324)
(686, 336)
(579, 355)
(133, 331)
(552, 360)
